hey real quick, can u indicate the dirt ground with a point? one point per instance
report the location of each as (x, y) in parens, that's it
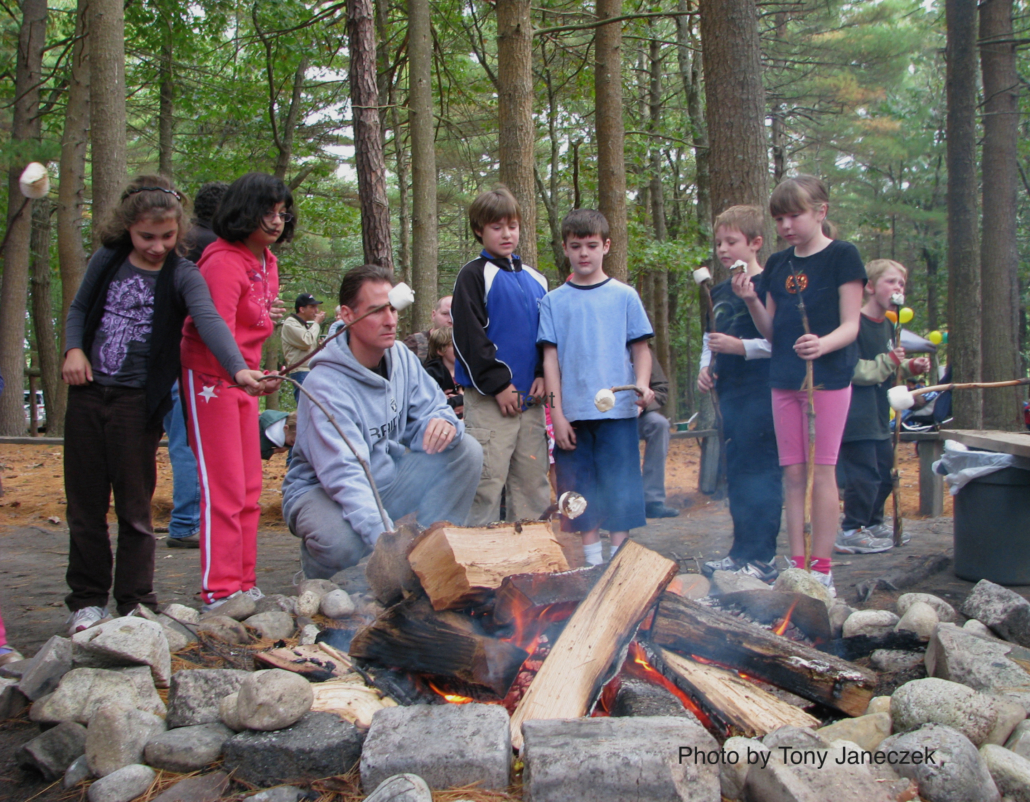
(33, 555)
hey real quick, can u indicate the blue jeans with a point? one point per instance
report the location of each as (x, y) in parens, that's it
(299, 376)
(185, 484)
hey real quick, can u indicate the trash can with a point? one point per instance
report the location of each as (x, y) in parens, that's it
(992, 528)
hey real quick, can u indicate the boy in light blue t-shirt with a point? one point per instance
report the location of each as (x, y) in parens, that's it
(594, 332)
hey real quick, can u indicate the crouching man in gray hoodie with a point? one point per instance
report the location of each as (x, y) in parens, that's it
(397, 418)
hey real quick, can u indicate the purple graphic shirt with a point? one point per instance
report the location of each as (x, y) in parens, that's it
(122, 343)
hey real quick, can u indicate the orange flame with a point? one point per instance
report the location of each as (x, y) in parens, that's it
(650, 673)
(453, 698)
(780, 628)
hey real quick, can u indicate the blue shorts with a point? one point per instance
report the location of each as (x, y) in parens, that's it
(604, 468)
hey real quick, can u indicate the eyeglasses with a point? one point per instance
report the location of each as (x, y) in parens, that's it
(271, 217)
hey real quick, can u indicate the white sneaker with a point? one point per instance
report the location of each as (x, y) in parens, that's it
(861, 541)
(85, 618)
(254, 593)
(725, 564)
(826, 580)
(210, 608)
(887, 530)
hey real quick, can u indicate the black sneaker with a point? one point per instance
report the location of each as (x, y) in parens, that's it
(188, 542)
(767, 572)
(656, 509)
(725, 564)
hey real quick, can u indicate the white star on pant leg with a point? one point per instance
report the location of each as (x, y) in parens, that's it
(208, 393)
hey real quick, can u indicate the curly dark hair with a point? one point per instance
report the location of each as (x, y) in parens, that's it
(205, 204)
(146, 196)
(247, 200)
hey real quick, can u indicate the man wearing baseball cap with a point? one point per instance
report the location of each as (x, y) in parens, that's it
(300, 334)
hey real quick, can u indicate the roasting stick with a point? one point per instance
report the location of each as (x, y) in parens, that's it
(703, 279)
(901, 398)
(897, 301)
(401, 297)
(809, 386)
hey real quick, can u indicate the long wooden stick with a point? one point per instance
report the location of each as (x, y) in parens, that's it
(940, 388)
(895, 468)
(327, 340)
(809, 385)
(706, 290)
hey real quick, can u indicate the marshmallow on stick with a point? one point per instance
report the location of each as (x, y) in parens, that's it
(701, 275)
(571, 504)
(401, 297)
(34, 182)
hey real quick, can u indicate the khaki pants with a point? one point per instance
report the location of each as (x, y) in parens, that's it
(514, 459)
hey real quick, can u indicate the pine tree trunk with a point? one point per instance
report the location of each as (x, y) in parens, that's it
(690, 75)
(735, 106)
(71, 190)
(964, 308)
(43, 318)
(107, 106)
(516, 131)
(998, 251)
(25, 127)
(368, 141)
(423, 163)
(165, 114)
(610, 134)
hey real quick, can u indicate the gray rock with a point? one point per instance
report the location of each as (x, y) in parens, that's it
(446, 745)
(186, 631)
(977, 628)
(838, 614)
(637, 697)
(307, 604)
(79, 694)
(182, 614)
(724, 582)
(274, 625)
(14, 670)
(1003, 610)
(658, 759)
(401, 788)
(1010, 772)
(187, 749)
(320, 587)
(280, 793)
(227, 712)
(208, 788)
(690, 586)
(1010, 715)
(125, 641)
(982, 664)
(176, 640)
(123, 785)
(795, 580)
(1019, 740)
(873, 623)
(795, 738)
(238, 607)
(893, 660)
(143, 681)
(116, 736)
(336, 604)
(733, 770)
(54, 751)
(276, 603)
(952, 771)
(273, 699)
(945, 612)
(307, 635)
(938, 701)
(879, 704)
(194, 695)
(319, 745)
(815, 775)
(866, 731)
(12, 701)
(76, 772)
(44, 671)
(919, 618)
(228, 629)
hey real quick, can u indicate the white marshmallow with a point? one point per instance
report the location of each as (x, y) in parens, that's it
(604, 400)
(34, 181)
(701, 275)
(898, 299)
(900, 398)
(401, 297)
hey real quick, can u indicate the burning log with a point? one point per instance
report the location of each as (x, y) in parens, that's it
(773, 607)
(461, 566)
(412, 636)
(602, 626)
(689, 628)
(734, 705)
(525, 596)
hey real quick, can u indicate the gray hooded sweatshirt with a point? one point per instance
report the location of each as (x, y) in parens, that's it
(381, 417)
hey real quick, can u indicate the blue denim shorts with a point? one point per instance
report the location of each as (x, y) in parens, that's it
(604, 468)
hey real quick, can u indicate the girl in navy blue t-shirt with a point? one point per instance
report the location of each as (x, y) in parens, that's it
(829, 275)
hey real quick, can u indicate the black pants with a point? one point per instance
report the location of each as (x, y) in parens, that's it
(109, 447)
(753, 474)
(865, 467)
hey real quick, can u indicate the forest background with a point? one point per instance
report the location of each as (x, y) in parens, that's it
(854, 92)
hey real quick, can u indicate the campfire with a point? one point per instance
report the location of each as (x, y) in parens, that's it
(499, 615)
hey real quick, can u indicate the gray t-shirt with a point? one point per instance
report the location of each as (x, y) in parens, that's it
(121, 346)
(593, 327)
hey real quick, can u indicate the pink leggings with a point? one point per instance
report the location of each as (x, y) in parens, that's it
(3, 632)
(831, 413)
